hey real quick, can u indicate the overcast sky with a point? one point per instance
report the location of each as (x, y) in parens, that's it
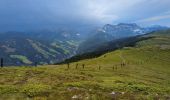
(39, 14)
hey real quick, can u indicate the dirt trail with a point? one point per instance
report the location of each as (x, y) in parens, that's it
(121, 56)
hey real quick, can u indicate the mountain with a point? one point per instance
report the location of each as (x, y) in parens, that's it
(113, 33)
(53, 46)
(155, 28)
(154, 40)
(123, 30)
(17, 48)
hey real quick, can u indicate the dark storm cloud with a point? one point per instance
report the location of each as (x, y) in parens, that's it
(39, 14)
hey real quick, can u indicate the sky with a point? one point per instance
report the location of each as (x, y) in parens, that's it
(44, 14)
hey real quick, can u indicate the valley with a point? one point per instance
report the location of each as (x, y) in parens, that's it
(54, 46)
(26, 49)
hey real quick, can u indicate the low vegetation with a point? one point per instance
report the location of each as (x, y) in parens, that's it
(21, 58)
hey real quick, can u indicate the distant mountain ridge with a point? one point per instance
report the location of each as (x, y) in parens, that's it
(112, 32)
(52, 46)
(123, 30)
(157, 40)
(45, 47)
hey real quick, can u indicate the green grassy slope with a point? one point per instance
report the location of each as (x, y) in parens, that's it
(146, 75)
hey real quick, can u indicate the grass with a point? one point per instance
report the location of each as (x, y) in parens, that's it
(21, 58)
(37, 46)
(146, 76)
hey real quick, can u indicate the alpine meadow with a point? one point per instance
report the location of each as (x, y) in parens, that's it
(84, 50)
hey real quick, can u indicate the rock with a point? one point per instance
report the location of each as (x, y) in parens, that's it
(75, 97)
(122, 93)
(90, 89)
(113, 93)
(72, 88)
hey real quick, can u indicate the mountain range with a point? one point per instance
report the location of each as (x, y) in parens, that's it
(110, 33)
(49, 46)
(43, 47)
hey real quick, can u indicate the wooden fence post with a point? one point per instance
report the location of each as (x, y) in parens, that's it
(99, 67)
(121, 64)
(116, 67)
(76, 66)
(35, 64)
(83, 66)
(2, 62)
(68, 65)
(124, 64)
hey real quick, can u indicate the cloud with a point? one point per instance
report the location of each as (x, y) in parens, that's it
(108, 11)
(167, 12)
(155, 18)
(29, 14)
